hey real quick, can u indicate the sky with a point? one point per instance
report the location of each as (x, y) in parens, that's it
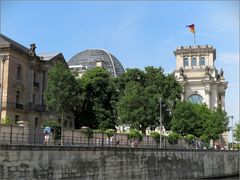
(138, 33)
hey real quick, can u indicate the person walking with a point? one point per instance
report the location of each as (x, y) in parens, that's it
(46, 131)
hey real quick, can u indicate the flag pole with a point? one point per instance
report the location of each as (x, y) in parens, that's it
(194, 38)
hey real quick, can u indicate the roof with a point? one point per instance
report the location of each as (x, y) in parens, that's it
(5, 41)
(48, 56)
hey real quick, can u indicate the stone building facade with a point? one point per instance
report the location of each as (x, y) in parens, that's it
(201, 81)
(23, 79)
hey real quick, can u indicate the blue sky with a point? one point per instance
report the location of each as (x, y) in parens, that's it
(138, 33)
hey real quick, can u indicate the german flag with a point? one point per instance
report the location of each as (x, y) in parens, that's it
(191, 28)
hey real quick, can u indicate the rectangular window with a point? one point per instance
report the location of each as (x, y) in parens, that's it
(19, 72)
(33, 100)
(35, 122)
(18, 97)
(34, 76)
(16, 119)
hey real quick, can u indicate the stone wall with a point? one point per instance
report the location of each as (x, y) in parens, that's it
(52, 162)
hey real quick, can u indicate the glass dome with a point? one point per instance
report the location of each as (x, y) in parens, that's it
(91, 58)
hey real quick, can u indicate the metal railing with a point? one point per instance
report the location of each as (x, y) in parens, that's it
(19, 135)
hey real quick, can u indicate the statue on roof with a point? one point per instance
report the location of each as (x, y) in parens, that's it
(181, 72)
(221, 73)
(207, 71)
(32, 50)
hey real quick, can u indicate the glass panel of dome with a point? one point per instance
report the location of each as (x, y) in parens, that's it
(194, 62)
(196, 99)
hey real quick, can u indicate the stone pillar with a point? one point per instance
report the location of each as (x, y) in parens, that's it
(2, 59)
(223, 101)
(30, 83)
(207, 96)
(40, 87)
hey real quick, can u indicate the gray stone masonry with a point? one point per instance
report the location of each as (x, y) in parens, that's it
(54, 162)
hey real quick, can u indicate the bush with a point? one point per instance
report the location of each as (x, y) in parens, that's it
(155, 136)
(173, 138)
(189, 138)
(110, 132)
(98, 131)
(6, 121)
(87, 132)
(134, 134)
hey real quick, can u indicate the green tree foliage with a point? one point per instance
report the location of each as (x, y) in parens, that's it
(62, 89)
(237, 132)
(198, 120)
(136, 107)
(135, 134)
(88, 132)
(139, 93)
(97, 107)
(173, 138)
(155, 136)
(6, 121)
(109, 132)
(216, 124)
(189, 138)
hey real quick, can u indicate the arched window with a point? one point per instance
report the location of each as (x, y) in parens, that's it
(196, 99)
(194, 61)
(185, 62)
(202, 61)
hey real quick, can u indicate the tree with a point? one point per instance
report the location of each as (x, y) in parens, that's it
(62, 89)
(97, 109)
(139, 93)
(136, 107)
(134, 134)
(185, 120)
(237, 132)
(198, 120)
(156, 136)
(216, 124)
(88, 133)
(173, 138)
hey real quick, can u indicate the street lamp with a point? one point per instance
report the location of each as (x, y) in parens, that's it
(160, 119)
(232, 129)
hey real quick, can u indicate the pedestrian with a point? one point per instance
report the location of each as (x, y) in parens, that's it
(46, 132)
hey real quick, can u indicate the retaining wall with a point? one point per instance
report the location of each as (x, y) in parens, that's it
(52, 162)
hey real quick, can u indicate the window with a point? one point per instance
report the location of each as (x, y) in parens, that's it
(36, 122)
(16, 119)
(202, 61)
(18, 96)
(196, 99)
(185, 62)
(33, 100)
(19, 72)
(194, 61)
(34, 76)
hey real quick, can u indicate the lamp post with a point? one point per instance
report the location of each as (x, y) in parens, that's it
(160, 119)
(232, 129)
